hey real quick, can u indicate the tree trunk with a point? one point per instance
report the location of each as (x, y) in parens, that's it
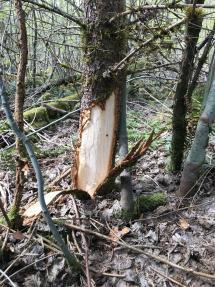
(19, 102)
(126, 192)
(193, 28)
(197, 153)
(198, 70)
(105, 46)
(34, 70)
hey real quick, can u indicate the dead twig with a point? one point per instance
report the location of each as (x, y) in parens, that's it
(168, 278)
(7, 278)
(88, 276)
(4, 213)
(61, 176)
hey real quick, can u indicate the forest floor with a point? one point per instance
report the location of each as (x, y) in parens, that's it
(180, 233)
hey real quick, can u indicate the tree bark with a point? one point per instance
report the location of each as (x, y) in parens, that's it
(34, 70)
(200, 64)
(19, 101)
(105, 46)
(193, 28)
(197, 153)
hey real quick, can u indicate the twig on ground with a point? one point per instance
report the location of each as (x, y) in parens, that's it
(5, 241)
(4, 213)
(61, 176)
(27, 266)
(7, 278)
(47, 126)
(168, 278)
(137, 250)
(88, 276)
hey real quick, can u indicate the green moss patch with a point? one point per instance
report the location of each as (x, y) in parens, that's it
(144, 203)
(40, 116)
(149, 202)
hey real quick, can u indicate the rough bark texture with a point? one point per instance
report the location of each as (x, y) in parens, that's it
(197, 153)
(19, 100)
(104, 47)
(193, 28)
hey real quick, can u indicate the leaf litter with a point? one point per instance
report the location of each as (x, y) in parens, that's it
(181, 233)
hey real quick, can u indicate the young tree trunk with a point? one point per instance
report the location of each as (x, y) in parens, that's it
(198, 70)
(19, 102)
(193, 28)
(197, 153)
(34, 70)
(126, 192)
(105, 46)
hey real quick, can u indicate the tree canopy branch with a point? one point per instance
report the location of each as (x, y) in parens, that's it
(56, 10)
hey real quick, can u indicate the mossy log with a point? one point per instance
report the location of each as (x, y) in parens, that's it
(39, 116)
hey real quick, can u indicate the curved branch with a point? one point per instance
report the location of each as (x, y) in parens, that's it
(40, 183)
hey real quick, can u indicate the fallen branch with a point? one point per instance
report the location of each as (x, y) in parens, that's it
(5, 275)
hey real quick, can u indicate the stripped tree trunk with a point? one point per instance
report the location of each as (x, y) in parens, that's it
(19, 102)
(197, 153)
(105, 45)
(193, 28)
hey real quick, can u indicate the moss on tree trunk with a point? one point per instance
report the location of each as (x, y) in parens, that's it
(104, 47)
(194, 23)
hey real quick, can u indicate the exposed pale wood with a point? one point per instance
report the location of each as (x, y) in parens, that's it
(97, 145)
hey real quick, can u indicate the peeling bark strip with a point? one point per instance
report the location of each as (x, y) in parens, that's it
(105, 45)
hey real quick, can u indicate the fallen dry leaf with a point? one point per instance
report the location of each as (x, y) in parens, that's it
(115, 233)
(184, 224)
(18, 235)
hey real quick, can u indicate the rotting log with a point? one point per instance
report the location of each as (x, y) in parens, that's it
(42, 115)
(41, 118)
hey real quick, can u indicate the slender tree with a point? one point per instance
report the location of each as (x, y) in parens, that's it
(196, 157)
(19, 103)
(126, 192)
(193, 28)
